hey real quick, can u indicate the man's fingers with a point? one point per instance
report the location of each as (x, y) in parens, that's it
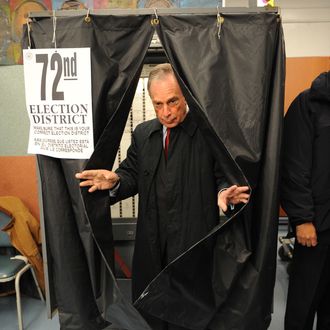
(240, 198)
(240, 189)
(309, 242)
(235, 191)
(243, 188)
(243, 196)
(306, 234)
(244, 200)
(92, 189)
(86, 183)
(86, 175)
(230, 190)
(97, 175)
(97, 179)
(222, 205)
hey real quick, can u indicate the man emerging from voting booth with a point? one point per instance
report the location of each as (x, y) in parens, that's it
(180, 184)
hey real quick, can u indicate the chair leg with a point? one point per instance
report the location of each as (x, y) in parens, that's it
(18, 295)
(37, 285)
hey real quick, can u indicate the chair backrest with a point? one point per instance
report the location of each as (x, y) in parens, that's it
(4, 238)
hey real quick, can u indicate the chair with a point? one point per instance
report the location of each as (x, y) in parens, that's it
(12, 268)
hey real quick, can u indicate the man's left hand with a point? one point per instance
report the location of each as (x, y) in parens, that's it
(233, 195)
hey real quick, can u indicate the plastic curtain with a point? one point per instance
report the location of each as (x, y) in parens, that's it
(232, 75)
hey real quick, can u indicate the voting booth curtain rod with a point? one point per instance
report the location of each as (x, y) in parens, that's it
(158, 11)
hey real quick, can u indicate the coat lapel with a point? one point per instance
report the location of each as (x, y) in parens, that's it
(154, 148)
(152, 153)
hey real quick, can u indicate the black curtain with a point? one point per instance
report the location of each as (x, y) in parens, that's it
(79, 233)
(234, 87)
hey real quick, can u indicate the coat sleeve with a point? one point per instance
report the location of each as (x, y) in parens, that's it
(128, 173)
(221, 181)
(296, 169)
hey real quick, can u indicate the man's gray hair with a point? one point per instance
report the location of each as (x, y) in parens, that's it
(159, 72)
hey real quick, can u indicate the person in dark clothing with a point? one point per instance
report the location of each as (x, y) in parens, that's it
(305, 196)
(179, 183)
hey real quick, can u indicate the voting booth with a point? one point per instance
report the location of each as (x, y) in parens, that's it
(86, 68)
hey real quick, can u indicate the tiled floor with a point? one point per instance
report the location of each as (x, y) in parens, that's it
(280, 291)
(34, 315)
(35, 318)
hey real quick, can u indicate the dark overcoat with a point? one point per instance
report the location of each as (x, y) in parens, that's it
(194, 180)
(305, 196)
(305, 192)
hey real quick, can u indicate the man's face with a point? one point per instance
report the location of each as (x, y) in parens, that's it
(168, 100)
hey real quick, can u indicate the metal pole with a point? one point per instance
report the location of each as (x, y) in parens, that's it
(160, 11)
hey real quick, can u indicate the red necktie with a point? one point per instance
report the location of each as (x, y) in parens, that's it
(167, 141)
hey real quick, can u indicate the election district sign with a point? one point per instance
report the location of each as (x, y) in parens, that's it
(59, 102)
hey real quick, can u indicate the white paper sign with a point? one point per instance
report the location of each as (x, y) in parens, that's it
(59, 102)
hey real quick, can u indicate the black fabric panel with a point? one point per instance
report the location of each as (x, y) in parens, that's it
(65, 223)
(78, 228)
(234, 88)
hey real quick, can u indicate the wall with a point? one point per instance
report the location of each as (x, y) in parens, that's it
(300, 71)
(18, 175)
(306, 27)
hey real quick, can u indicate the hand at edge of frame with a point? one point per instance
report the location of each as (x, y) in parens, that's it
(97, 179)
(306, 234)
(233, 195)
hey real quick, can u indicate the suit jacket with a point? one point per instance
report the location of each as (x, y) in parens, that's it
(194, 179)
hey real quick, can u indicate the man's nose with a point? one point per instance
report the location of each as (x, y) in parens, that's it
(166, 110)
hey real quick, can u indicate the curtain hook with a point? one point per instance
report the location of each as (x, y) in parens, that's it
(29, 31)
(155, 21)
(220, 21)
(279, 15)
(155, 11)
(54, 29)
(87, 17)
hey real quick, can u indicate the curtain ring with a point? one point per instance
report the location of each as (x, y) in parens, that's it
(28, 31)
(87, 17)
(54, 29)
(155, 21)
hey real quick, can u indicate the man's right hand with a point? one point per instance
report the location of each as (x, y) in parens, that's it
(306, 234)
(98, 179)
